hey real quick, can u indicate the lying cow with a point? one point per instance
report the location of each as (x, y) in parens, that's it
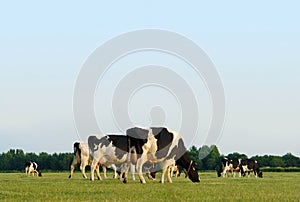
(82, 158)
(250, 165)
(32, 167)
(159, 145)
(229, 165)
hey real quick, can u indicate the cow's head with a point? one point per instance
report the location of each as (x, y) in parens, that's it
(192, 172)
(260, 174)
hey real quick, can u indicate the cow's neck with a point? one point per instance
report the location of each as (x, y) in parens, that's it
(184, 161)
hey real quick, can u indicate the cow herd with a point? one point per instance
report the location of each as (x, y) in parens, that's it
(143, 150)
(241, 166)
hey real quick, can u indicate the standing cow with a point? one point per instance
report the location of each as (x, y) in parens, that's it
(159, 145)
(32, 167)
(229, 165)
(250, 165)
(108, 150)
(82, 158)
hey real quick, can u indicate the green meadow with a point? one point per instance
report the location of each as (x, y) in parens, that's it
(275, 186)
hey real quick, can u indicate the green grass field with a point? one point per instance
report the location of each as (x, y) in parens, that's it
(57, 187)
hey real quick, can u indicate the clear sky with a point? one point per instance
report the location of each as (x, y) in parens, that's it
(255, 47)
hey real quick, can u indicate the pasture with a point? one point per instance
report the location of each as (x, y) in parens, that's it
(57, 187)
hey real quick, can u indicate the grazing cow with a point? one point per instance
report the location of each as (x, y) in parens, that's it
(32, 167)
(82, 158)
(159, 145)
(250, 165)
(108, 150)
(229, 164)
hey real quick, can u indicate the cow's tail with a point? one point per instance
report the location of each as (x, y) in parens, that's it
(77, 151)
(133, 156)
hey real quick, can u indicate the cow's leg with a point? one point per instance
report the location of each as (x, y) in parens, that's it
(132, 171)
(139, 166)
(97, 171)
(72, 167)
(169, 174)
(166, 167)
(114, 167)
(124, 171)
(163, 174)
(171, 171)
(82, 168)
(93, 166)
(104, 171)
(224, 174)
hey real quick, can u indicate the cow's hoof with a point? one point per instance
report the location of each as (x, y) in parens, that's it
(125, 181)
(70, 176)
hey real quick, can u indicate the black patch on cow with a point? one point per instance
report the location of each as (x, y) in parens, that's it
(178, 151)
(119, 141)
(28, 163)
(137, 137)
(164, 141)
(121, 144)
(94, 141)
(138, 133)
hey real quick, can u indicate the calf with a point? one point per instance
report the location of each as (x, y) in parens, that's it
(229, 164)
(250, 165)
(32, 167)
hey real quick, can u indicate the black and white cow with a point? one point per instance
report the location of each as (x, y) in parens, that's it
(82, 159)
(229, 165)
(32, 167)
(250, 165)
(159, 145)
(108, 150)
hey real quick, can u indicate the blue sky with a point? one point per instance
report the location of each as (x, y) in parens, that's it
(255, 47)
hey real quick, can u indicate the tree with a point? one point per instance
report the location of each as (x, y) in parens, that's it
(237, 155)
(276, 161)
(211, 160)
(290, 160)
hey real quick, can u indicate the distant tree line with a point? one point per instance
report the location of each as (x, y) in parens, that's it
(15, 159)
(206, 157)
